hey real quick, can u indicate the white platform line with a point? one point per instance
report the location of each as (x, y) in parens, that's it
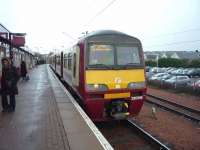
(105, 144)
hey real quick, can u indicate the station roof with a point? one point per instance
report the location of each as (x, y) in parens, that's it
(6, 41)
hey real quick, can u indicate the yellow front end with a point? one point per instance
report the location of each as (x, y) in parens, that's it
(115, 79)
(102, 103)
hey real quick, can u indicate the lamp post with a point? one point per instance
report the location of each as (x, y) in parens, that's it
(10, 47)
(84, 33)
(157, 57)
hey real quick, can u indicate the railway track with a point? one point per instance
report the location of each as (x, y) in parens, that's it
(155, 142)
(125, 135)
(187, 112)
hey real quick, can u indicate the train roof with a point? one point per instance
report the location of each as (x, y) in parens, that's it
(107, 32)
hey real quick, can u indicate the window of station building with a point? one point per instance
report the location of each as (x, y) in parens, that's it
(1, 56)
(2, 53)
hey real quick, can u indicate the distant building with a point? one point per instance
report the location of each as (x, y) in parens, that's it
(189, 55)
(150, 57)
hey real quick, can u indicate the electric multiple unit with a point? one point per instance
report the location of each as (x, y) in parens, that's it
(106, 70)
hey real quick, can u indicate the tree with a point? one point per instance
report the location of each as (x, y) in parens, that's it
(172, 62)
(195, 63)
(150, 63)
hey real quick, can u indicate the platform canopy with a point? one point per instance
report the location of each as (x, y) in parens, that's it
(4, 32)
(17, 39)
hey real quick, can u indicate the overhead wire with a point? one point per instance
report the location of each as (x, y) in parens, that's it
(174, 33)
(171, 34)
(157, 36)
(174, 43)
(100, 12)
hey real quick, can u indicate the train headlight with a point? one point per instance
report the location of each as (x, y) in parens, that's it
(136, 85)
(96, 87)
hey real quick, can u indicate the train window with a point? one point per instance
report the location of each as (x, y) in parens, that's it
(69, 61)
(127, 55)
(65, 62)
(101, 54)
(74, 66)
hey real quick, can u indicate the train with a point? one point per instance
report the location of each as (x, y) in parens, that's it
(106, 70)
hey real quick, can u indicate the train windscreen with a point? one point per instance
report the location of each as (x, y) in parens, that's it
(127, 55)
(113, 56)
(101, 54)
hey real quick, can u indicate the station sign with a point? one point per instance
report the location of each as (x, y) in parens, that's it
(18, 40)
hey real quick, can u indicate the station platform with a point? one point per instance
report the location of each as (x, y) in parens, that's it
(47, 118)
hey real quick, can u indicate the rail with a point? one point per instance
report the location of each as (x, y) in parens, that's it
(187, 112)
(159, 145)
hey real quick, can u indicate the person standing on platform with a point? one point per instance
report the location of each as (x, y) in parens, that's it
(9, 88)
(23, 70)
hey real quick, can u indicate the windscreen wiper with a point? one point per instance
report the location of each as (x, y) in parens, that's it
(100, 65)
(130, 64)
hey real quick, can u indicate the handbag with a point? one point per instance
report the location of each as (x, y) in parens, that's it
(27, 78)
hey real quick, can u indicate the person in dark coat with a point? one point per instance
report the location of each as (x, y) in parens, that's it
(23, 70)
(9, 81)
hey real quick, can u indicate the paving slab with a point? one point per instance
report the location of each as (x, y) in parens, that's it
(47, 118)
(36, 124)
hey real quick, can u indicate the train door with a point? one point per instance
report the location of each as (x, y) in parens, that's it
(75, 69)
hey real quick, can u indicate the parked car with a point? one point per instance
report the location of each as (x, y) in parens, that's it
(170, 70)
(194, 72)
(195, 85)
(185, 71)
(166, 77)
(177, 71)
(157, 76)
(178, 80)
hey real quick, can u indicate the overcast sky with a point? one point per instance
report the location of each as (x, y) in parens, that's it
(161, 25)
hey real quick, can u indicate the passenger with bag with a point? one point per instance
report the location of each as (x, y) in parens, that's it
(24, 71)
(9, 88)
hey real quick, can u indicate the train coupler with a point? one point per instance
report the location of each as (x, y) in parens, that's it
(118, 109)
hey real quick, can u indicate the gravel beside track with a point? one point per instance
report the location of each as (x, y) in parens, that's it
(180, 133)
(124, 136)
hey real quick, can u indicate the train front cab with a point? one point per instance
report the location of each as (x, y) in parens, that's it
(114, 77)
(118, 102)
